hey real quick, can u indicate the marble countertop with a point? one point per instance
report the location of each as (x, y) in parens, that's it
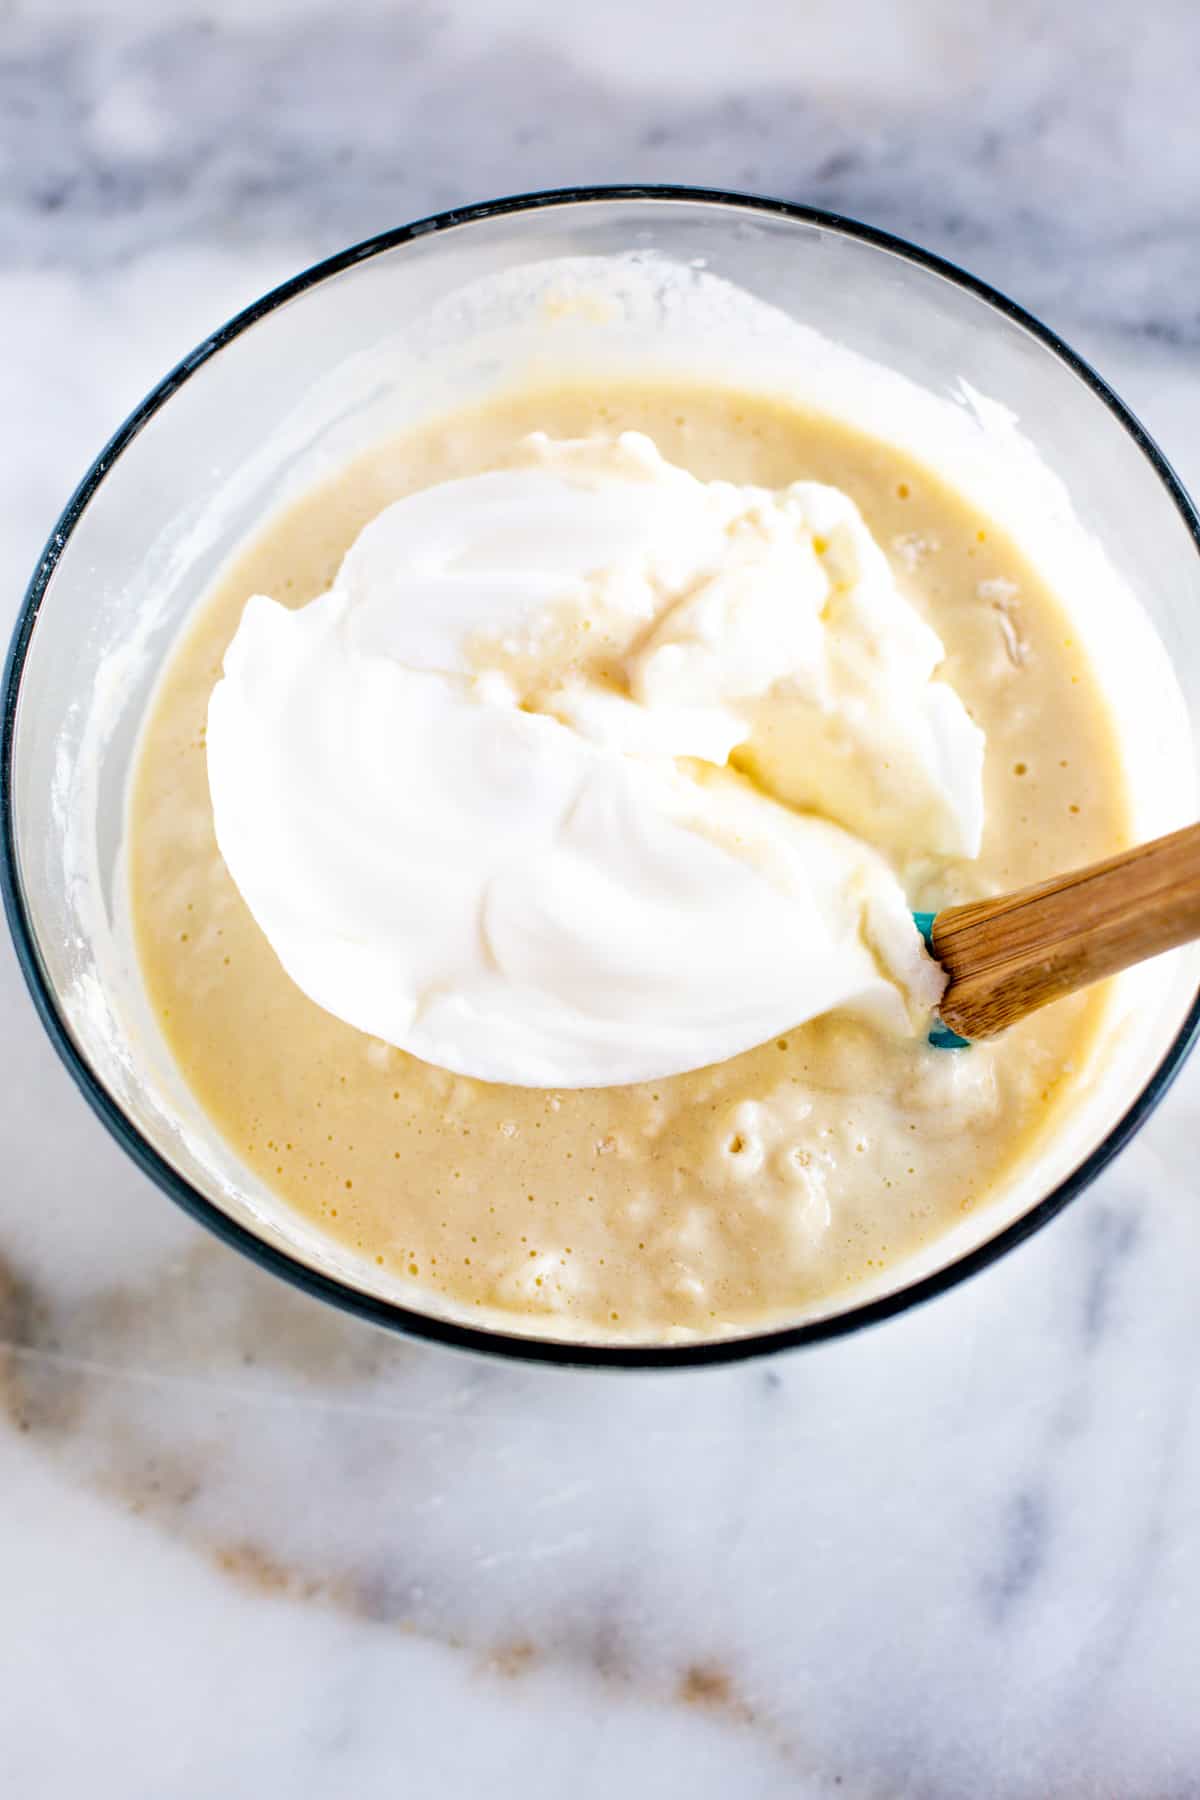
(250, 1547)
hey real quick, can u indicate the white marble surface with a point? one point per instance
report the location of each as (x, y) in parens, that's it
(250, 1547)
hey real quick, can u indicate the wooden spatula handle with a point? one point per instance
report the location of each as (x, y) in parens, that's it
(1008, 956)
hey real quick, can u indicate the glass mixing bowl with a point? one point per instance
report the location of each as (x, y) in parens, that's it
(455, 307)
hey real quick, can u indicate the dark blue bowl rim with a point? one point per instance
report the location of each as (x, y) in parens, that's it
(383, 1312)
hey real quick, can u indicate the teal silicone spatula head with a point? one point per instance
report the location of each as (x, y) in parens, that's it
(940, 1036)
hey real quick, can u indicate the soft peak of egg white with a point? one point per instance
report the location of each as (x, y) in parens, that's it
(533, 887)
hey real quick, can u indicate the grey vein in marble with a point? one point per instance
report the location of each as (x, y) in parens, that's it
(1064, 163)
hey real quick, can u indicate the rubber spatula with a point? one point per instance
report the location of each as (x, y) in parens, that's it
(1007, 956)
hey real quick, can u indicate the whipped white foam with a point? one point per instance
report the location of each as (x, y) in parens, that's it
(532, 792)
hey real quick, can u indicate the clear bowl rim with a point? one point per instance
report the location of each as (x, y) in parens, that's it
(391, 1315)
